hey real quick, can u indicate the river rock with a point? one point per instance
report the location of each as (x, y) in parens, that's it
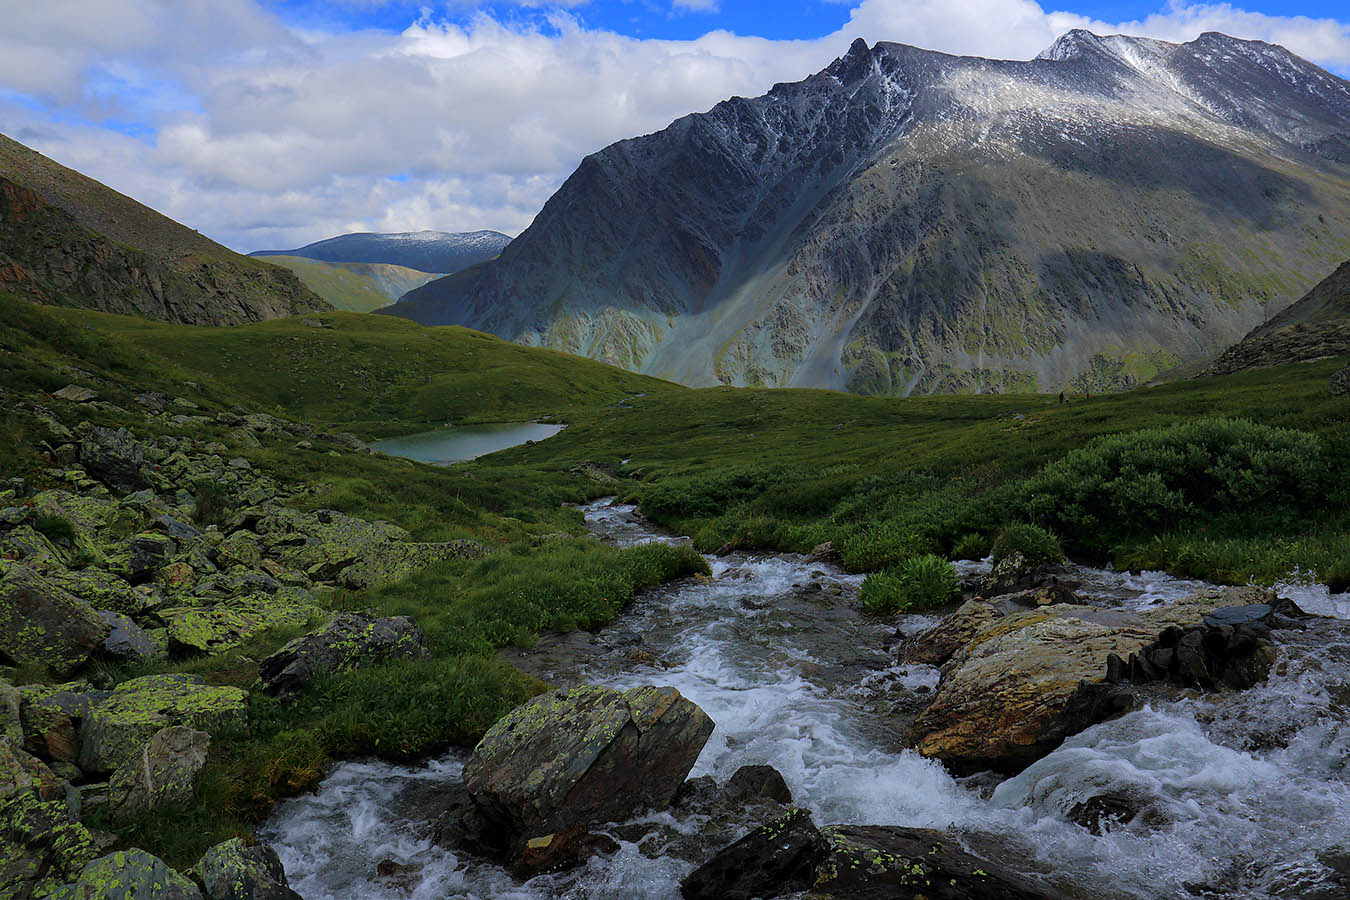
(163, 772)
(117, 727)
(1013, 574)
(937, 645)
(42, 623)
(772, 860)
(116, 458)
(129, 875)
(758, 782)
(235, 871)
(1230, 647)
(1027, 680)
(350, 641)
(585, 755)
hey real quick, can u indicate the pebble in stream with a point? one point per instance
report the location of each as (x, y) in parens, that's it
(1237, 794)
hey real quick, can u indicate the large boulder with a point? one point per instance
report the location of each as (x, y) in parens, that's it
(42, 623)
(50, 716)
(126, 640)
(42, 846)
(852, 862)
(116, 458)
(585, 755)
(21, 773)
(235, 871)
(117, 727)
(199, 630)
(164, 772)
(1026, 680)
(128, 875)
(350, 641)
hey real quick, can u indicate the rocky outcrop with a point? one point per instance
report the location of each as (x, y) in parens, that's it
(853, 862)
(129, 875)
(350, 641)
(163, 772)
(1027, 679)
(120, 724)
(42, 624)
(235, 871)
(585, 755)
(1231, 648)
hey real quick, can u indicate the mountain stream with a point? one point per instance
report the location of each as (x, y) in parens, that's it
(1249, 791)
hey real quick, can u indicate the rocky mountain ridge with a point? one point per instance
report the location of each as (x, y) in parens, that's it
(68, 240)
(438, 252)
(907, 221)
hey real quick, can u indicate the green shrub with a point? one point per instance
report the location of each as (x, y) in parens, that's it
(1218, 470)
(1034, 543)
(920, 583)
(706, 496)
(971, 546)
(883, 545)
(56, 529)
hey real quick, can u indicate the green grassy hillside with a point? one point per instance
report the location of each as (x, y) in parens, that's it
(354, 287)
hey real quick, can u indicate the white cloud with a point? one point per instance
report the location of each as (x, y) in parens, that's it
(266, 136)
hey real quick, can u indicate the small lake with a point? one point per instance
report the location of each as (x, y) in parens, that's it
(451, 445)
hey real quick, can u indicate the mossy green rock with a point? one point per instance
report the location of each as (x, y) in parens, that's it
(129, 875)
(235, 871)
(584, 755)
(42, 846)
(103, 590)
(213, 629)
(117, 727)
(42, 623)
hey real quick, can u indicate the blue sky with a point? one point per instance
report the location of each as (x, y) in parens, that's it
(272, 123)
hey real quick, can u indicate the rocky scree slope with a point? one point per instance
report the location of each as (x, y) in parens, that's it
(907, 221)
(67, 240)
(440, 252)
(1315, 327)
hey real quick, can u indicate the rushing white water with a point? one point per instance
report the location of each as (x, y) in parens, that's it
(1241, 791)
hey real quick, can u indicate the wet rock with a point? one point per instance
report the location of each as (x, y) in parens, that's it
(129, 875)
(116, 458)
(1013, 574)
(350, 641)
(43, 624)
(235, 871)
(585, 755)
(117, 727)
(775, 859)
(937, 645)
(1231, 647)
(42, 846)
(164, 771)
(1029, 679)
(561, 850)
(757, 783)
(1103, 812)
(822, 553)
(126, 639)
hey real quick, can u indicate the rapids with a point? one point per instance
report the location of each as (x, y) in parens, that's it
(1247, 794)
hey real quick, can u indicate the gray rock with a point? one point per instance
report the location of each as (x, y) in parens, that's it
(75, 393)
(129, 875)
(234, 871)
(585, 755)
(42, 846)
(114, 457)
(176, 529)
(44, 624)
(164, 772)
(148, 552)
(350, 641)
(126, 639)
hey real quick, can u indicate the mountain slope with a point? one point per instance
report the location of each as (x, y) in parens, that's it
(68, 240)
(426, 251)
(355, 287)
(911, 221)
(1315, 327)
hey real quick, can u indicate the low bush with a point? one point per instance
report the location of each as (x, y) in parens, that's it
(883, 545)
(971, 546)
(1034, 543)
(920, 583)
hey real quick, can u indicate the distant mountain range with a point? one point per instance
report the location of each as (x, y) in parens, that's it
(66, 239)
(355, 287)
(436, 252)
(907, 221)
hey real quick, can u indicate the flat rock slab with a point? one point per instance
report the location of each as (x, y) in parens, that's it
(586, 755)
(1025, 681)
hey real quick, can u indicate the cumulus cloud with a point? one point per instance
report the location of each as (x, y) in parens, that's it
(263, 135)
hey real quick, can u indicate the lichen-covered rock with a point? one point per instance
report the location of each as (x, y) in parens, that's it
(213, 629)
(350, 641)
(146, 553)
(163, 772)
(116, 728)
(30, 547)
(585, 755)
(129, 875)
(235, 871)
(937, 645)
(11, 717)
(42, 623)
(396, 561)
(50, 715)
(774, 859)
(42, 846)
(126, 639)
(1027, 680)
(22, 773)
(102, 590)
(116, 458)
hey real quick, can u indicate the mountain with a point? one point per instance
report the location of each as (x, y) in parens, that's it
(909, 221)
(356, 287)
(1315, 327)
(68, 240)
(426, 251)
